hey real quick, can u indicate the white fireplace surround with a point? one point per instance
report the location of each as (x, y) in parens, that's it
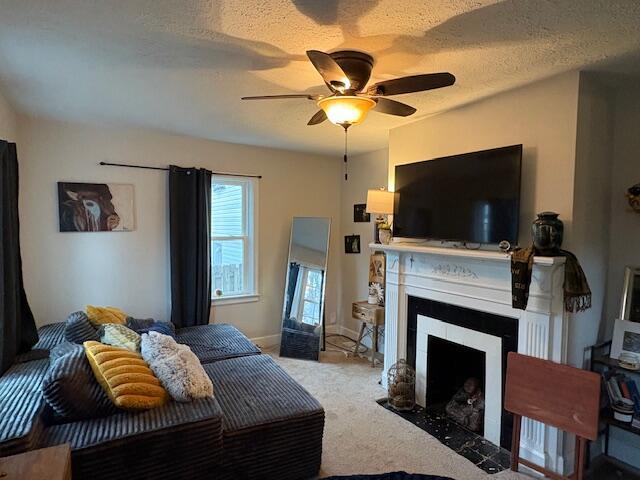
(479, 280)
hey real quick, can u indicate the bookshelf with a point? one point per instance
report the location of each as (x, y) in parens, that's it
(601, 362)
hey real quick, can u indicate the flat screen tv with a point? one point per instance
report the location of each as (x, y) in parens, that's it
(473, 197)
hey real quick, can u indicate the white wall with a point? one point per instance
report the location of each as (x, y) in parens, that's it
(541, 116)
(562, 124)
(367, 171)
(65, 271)
(624, 231)
(8, 121)
(591, 207)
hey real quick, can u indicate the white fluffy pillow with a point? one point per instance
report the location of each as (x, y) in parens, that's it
(176, 366)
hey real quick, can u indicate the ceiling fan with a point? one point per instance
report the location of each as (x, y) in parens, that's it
(346, 73)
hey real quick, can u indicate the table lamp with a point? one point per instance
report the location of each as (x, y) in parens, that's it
(379, 202)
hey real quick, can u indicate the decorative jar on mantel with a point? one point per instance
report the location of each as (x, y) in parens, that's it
(547, 232)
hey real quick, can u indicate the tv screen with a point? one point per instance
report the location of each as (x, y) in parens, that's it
(473, 197)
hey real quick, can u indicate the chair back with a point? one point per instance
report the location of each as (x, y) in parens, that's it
(558, 395)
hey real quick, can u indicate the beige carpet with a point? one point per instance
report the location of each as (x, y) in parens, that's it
(362, 437)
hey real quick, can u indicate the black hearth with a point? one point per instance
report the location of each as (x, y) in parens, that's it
(454, 370)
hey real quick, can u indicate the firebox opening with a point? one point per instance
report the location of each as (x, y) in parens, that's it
(449, 366)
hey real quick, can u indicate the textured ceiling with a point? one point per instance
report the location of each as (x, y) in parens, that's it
(182, 66)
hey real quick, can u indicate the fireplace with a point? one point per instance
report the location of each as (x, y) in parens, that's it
(455, 343)
(464, 296)
(456, 383)
(448, 367)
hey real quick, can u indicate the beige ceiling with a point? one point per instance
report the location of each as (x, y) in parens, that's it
(182, 66)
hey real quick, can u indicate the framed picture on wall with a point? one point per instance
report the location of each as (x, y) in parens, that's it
(352, 244)
(626, 338)
(377, 268)
(359, 213)
(95, 207)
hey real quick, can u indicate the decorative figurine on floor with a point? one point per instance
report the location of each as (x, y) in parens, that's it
(401, 381)
(467, 406)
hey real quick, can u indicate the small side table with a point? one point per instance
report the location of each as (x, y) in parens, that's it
(53, 463)
(371, 319)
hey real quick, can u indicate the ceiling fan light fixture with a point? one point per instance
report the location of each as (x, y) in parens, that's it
(346, 110)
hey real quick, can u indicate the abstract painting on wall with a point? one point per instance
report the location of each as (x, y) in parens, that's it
(95, 207)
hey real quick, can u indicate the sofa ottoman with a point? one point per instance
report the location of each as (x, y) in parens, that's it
(215, 342)
(21, 407)
(272, 427)
(177, 441)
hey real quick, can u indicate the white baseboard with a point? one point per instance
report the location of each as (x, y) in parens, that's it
(341, 330)
(267, 341)
(348, 332)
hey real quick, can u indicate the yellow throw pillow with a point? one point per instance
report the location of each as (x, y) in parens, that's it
(125, 376)
(101, 315)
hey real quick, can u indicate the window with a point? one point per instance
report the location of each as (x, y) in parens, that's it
(306, 305)
(233, 237)
(312, 296)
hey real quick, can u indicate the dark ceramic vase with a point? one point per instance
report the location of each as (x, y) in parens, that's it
(547, 231)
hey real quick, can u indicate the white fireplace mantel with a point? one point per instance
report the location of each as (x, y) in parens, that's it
(481, 280)
(491, 255)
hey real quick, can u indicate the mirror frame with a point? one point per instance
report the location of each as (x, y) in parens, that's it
(627, 291)
(321, 337)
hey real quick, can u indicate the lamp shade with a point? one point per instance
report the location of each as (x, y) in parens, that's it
(346, 110)
(380, 201)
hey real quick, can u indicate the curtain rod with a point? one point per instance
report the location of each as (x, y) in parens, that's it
(166, 169)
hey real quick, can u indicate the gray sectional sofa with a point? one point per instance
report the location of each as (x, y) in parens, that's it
(261, 424)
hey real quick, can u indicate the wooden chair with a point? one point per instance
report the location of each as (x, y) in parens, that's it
(558, 395)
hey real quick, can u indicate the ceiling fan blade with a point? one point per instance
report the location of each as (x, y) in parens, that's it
(391, 107)
(331, 72)
(319, 117)
(280, 97)
(414, 83)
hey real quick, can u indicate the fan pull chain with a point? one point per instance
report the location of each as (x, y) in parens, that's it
(346, 172)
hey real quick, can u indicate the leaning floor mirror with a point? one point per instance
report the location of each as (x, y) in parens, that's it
(303, 306)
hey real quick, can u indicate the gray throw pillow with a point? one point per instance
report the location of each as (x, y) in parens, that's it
(176, 366)
(78, 329)
(146, 325)
(70, 387)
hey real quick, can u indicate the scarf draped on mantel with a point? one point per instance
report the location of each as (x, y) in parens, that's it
(577, 294)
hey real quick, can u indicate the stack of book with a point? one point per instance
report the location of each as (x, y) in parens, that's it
(624, 397)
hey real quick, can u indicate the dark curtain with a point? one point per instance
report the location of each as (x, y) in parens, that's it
(17, 327)
(190, 245)
(294, 269)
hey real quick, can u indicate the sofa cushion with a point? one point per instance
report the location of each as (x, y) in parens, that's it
(70, 387)
(177, 441)
(101, 315)
(49, 336)
(21, 406)
(176, 366)
(125, 376)
(78, 329)
(119, 336)
(216, 342)
(146, 325)
(266, 416)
